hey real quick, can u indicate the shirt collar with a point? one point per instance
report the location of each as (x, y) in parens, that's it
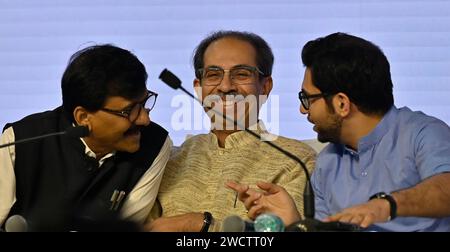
(242, 138)
(92, 154)
(379, 131)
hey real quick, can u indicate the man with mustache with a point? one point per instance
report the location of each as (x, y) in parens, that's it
(233, 69)
(386, 168)
(62, 183)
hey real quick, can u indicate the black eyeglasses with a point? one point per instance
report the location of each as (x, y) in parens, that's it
(132, 112)
(239, 75)
(305, 98)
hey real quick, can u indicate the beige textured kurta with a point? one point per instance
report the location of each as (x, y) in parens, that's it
(197, 171)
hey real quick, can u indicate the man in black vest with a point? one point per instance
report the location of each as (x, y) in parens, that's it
(88, 183)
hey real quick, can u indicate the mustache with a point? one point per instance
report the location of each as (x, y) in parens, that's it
(134, 128)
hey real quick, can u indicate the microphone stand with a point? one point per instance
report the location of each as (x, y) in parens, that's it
(78, 131)
(308, 195)
(33, 138)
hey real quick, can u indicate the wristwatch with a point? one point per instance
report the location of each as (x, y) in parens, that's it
(390, 199)
(207, 220)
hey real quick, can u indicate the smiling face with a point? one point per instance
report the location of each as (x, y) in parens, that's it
(327, 123)
(111, 132)
(235, 100)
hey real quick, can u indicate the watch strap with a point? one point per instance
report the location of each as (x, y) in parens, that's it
(392, 203)
(207, 220)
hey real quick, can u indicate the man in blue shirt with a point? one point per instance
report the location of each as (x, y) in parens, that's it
(385, 169)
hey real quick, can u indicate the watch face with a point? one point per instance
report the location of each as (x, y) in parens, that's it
(381, 195)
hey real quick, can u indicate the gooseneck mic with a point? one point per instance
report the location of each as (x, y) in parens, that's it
(263, 223)
(235, 223)
(75, 132)
(313, 225)
(309, 223)
(308, 195)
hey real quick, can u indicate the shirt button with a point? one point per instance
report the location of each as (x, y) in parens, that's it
(364, 174)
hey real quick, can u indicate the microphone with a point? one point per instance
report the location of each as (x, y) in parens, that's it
(313, 225)
(174, 82)
(308, 194)
(235, 223)
(262, 223)
(16, 223)
(75, 132)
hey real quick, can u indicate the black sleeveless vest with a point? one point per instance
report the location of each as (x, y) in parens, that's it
(58, 186)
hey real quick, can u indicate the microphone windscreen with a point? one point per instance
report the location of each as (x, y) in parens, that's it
(233, 223)
(170, 79)
(77, 132)
(268, 223)
(16, 223)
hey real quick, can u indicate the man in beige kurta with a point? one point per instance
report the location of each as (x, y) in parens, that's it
(229, 66)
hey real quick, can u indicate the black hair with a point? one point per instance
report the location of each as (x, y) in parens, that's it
(264, 55)
(98, 72)
(344, 63)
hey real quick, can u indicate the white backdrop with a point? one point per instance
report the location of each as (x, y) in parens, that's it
(38, 37)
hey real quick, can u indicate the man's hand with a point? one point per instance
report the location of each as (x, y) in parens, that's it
(245, 194)
(190, 222)
(275, 199)
(364, 215)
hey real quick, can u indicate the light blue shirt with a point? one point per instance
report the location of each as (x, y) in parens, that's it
(405, 148)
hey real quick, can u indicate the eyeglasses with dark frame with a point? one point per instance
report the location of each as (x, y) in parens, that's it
(239, 75)
(134, 110)
(305, 98)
